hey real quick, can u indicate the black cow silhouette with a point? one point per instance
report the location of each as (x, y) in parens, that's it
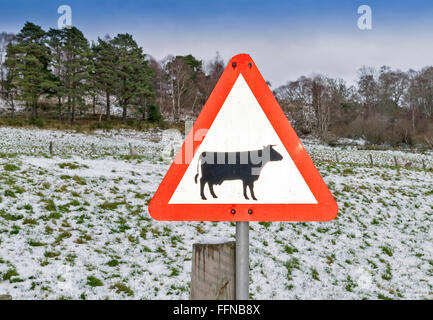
(217, 167)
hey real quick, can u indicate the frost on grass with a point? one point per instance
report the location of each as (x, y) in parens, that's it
(76, 226)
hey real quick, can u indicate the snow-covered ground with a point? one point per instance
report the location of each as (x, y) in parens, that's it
(76, 225)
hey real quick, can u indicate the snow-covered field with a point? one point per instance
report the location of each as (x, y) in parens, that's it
(76, 226)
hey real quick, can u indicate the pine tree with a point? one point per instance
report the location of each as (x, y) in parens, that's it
(134, 78)
(76, 69)
(70, 58)
(104, 70)
(30, 58)
(55, 43)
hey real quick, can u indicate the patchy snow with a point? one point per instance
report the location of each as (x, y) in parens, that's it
(76, 225)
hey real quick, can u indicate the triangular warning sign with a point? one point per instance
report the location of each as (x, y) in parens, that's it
(242, 161)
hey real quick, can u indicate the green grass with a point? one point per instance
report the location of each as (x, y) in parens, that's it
(265, 224)
(71, 166)
(387, 250)
(51, 254)
(113, 263)
(111, 205)
(34, 243)
(92, 281)
(383, 297)
(10, 217)
(30, 221)
(10, 193)
(120, 287)
(290, 250)
(50, 206)
(174, 272)
(10, 167)
(291, 264)
(55, 215)
(9, 274)
(315, 274)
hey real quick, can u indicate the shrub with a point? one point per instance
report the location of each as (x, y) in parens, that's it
(38, 122)
(154, 114)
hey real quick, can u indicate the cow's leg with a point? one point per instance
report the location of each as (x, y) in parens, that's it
(245, 190)
(202, 184)
(211, 191)
(251, 186)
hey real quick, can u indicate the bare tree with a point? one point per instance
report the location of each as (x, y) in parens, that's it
(321, 101)
(6, 90)
(419, 96)
(393, 85)
(181, 87)
(214, 70)
(295, 99)
(5, 39)
(368, 89)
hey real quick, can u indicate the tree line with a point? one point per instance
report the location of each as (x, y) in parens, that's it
(60, 73)
(384, 106)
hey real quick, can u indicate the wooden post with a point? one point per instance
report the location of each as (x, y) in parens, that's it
(395, 161)
(93, 149)
(51, 149)
(131, 150)
(423, 164)
(213, 274)
(371, 160)
(336, 157)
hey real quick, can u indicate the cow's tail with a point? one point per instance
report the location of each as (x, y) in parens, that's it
(198, 170)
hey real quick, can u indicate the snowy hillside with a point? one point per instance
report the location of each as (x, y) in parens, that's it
(76, 225)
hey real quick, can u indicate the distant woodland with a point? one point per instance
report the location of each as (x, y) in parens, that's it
(59, 76)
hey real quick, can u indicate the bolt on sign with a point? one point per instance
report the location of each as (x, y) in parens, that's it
(242, 160)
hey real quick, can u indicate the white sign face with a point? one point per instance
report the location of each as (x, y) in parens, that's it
(242, 126)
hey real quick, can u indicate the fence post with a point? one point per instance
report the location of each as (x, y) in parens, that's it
(51, 149)
(93, 149)
(131, 150)
(371, 159)
(395, 161)
(213, 275)
(336, 157)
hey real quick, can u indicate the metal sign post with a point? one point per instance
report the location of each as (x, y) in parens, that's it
(242, 260)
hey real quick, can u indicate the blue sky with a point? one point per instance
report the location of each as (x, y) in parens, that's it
(285, 38)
